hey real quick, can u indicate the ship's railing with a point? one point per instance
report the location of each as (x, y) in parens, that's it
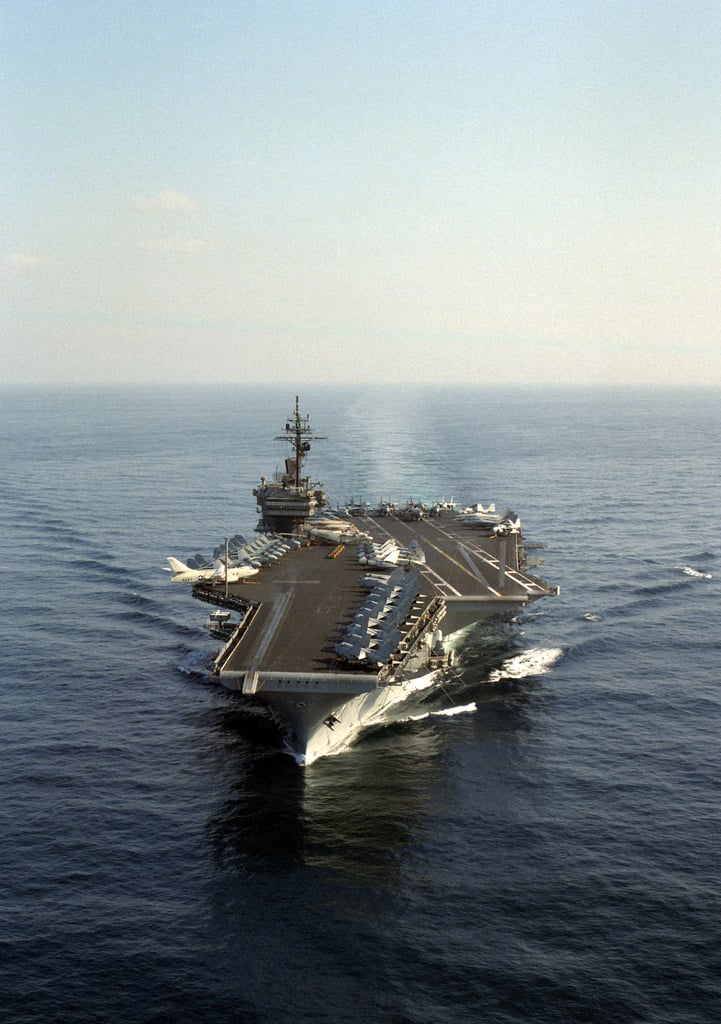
(214, 595)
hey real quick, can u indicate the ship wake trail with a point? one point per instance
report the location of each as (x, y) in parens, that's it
(696, 573)
(460, 709)
(534, 662)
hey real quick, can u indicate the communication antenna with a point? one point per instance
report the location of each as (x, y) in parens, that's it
(299, 434)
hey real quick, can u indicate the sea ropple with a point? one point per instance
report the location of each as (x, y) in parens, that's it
(342, 615)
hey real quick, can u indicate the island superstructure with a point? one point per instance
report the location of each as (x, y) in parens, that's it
(342, 615)
(291, 499)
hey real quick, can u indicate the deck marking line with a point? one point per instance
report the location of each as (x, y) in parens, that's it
(270, 630)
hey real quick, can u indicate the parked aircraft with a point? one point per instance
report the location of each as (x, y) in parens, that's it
(182, 573)
(508, 526)
(355, 508)
(336, 536)
(379, 556)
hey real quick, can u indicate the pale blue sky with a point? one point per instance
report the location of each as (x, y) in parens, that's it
(318, 191)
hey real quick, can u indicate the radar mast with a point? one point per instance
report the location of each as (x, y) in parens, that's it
(299, 434)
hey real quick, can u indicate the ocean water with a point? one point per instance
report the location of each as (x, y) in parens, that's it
(536, 842)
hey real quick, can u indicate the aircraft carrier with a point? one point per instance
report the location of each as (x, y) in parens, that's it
(331, 618)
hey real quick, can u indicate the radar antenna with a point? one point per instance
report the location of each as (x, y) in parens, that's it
(299, 434)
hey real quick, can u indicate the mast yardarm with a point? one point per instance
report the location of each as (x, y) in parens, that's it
(299, 434)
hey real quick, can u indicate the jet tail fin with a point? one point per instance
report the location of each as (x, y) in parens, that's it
(176, 565)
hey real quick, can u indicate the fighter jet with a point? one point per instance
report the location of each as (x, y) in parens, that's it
(507, 526)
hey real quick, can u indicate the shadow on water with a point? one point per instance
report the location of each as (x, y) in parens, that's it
(353, 813)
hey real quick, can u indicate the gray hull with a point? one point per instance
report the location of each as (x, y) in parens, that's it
(325, 715)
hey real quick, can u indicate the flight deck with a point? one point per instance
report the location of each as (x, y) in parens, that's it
(299, 605)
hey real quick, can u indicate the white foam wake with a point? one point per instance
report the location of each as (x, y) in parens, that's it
(695, 572)
(460, 709)
(421, 683)
(533, 662)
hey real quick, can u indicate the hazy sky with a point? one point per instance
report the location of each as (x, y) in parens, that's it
(310, 191)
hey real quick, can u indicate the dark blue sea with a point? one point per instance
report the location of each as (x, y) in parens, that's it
(549, 853)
